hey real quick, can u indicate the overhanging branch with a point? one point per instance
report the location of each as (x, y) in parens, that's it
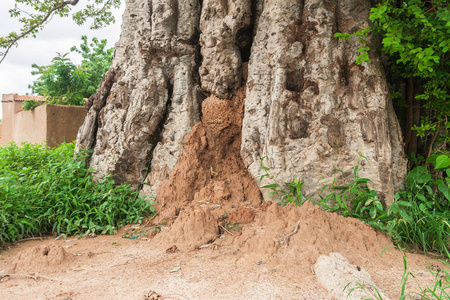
(11, 43)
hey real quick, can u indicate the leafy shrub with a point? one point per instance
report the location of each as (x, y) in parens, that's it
(421, 213)
(30, 104)
(45, 190)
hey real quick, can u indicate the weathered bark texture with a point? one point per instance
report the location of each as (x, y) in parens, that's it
(309, 108)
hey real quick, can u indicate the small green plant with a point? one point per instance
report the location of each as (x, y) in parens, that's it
(234, 227)
(46, 190)
(355, 199)
(30, 104)
(290, 192)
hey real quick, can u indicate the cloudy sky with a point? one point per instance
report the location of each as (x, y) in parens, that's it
(59, 35)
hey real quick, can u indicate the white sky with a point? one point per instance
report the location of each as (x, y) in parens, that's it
(59, 35)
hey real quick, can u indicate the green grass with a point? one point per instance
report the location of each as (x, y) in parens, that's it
(45, 190)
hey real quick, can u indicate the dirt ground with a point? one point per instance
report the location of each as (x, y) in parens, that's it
(239, 261)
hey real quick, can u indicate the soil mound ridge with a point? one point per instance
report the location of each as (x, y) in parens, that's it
(275, 239)
(193, 227)
(41, 258)
(210, 200)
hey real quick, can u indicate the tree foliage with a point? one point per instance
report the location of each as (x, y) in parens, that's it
(35, 14)
(96, 61)
(63, 82)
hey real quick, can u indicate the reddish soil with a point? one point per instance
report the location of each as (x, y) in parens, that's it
(251, 262)
(211, 170)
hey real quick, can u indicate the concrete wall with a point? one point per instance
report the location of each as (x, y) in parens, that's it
(30, 126)
(63, 122)
(51, 123)
(9, 108)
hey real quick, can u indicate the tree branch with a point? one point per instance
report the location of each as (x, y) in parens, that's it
(104, 7)
(73, 2)
(11, 43)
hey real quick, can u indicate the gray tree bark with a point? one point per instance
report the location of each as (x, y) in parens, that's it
(310, 109)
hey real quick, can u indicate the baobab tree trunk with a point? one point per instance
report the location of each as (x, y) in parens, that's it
(309, 108)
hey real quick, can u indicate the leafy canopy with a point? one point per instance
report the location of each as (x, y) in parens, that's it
(35, 14)
(63, 82)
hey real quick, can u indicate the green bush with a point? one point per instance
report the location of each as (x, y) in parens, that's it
(421, 213)
(45, 190)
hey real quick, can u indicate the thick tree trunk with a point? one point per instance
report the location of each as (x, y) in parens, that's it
(309, 108)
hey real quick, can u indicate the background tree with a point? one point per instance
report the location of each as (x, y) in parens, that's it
(96, 61)
(63, 82)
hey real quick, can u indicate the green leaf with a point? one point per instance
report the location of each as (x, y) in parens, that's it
(379, 205)
(443, 188)
(442, 162)
(270, 186)
(373, 212)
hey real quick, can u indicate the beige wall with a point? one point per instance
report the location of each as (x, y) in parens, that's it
(63, 123)
(52, 123)
(30, 126)
(8, 118)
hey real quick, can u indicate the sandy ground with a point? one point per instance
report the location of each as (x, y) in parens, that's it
(251, 262)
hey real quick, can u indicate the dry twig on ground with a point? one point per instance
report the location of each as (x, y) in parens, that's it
(285, 238)
(31, 239)
(35, 277)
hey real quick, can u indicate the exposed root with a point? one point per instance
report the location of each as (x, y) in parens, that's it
(285, 238)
